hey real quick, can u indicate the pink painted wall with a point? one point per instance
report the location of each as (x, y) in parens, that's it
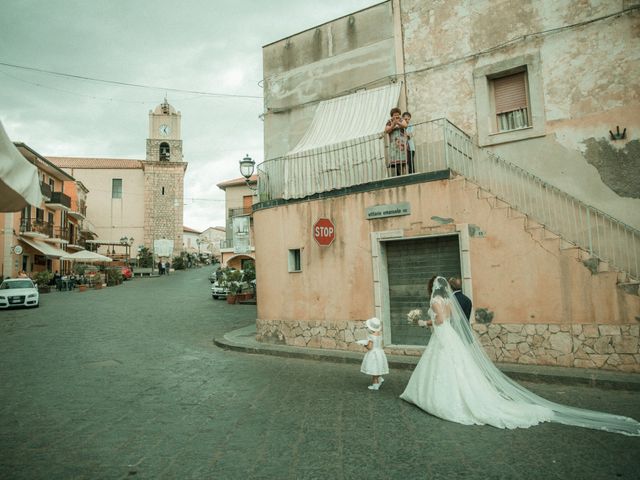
(515, 273)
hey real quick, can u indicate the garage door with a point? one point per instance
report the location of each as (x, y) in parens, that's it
(410, 265)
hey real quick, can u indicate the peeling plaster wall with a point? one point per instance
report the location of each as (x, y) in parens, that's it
(325, 303)
(590, 83)
(321, 63)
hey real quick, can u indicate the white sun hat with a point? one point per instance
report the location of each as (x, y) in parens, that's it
(373, 324)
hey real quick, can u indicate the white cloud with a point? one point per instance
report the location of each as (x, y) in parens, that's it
(199, 45)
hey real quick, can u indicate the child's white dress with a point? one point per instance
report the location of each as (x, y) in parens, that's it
(375, 361)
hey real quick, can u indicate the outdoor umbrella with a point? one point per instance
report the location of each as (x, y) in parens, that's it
(87, 256)
(19, 183)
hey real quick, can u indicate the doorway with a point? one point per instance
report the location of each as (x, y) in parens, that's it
(410, 265)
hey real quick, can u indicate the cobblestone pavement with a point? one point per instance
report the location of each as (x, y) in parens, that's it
(125, 382)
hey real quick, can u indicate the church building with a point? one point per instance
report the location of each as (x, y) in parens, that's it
(137, 203)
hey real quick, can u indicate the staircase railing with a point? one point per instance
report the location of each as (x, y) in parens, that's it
(603, 236)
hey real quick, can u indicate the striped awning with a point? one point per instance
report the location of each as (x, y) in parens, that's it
(349, 117)
(44, 248)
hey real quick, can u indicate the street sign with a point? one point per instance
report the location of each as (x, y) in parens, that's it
(324, 232)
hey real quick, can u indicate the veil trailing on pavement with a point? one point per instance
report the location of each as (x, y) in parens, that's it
(511, 390)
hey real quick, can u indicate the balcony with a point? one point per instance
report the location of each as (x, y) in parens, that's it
(36, 228)
(87, 227)
(59, 201)
(366, 160)
(61, 234)
(238, 212)
(79, 212)
(227, 244)
(45, 189)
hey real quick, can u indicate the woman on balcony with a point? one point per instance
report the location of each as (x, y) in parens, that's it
(397, 158)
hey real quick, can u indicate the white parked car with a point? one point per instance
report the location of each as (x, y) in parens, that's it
(19, 292)
(219, 291)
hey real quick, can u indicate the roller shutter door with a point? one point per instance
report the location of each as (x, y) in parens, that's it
(410, 265)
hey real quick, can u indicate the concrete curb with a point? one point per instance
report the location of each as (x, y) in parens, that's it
(243, 340)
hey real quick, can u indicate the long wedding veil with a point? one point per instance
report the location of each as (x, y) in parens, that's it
(513, 391)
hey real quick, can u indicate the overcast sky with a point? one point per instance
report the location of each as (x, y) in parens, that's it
(195, 45)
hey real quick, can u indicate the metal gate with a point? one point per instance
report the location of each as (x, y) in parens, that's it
(410, 265)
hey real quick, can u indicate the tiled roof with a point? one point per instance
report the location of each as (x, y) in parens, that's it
(191, 230)
(98, 163)
(237, 182)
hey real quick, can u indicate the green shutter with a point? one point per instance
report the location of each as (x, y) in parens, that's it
(410, 265)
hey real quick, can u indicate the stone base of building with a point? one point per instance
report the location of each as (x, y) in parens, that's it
(607, 347)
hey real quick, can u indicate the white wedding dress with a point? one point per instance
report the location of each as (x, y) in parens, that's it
(456, 381)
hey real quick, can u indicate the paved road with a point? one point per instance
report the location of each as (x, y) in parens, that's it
(126, 383)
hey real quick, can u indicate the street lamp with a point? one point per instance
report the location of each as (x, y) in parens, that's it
(127, 242)
(247, 166)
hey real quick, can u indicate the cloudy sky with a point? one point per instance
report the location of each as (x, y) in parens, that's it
(174, 47)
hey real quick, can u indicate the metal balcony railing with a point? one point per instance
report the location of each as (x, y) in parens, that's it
(237, 212)
(59, 198)
(87, 227)
(61, 233)
(440, 145)
(28, 225)
(600, 234)
(228, 243)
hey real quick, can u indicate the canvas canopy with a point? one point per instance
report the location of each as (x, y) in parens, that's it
(19, 183)
(348, 117)
(344, 145)
(87, 256)
(47, 250)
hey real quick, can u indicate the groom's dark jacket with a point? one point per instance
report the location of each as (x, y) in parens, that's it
(465, 303)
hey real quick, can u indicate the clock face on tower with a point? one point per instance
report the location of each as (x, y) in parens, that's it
(164, 129)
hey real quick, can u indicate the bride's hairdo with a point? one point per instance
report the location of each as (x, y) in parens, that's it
(437, 286)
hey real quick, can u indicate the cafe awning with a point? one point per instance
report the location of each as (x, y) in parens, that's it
(87, 256)
(44, 248)
(348, 117)
(19, 182)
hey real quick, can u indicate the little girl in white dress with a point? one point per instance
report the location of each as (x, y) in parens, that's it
(374, 362)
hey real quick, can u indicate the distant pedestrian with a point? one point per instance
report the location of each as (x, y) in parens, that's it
(160, 267)
(374, 362)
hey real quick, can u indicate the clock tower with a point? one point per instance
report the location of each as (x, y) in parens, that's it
(164, 170)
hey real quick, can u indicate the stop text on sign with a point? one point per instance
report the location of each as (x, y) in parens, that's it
(324, 232)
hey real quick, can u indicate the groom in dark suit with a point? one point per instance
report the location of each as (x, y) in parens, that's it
(463, 300)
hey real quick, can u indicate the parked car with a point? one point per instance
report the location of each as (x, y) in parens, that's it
(127, 273)
(219, 290)
(223, 278)
(19, 292)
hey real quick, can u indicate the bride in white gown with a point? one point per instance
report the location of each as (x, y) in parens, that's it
(456, 381)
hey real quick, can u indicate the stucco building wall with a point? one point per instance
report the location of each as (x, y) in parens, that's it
(586, 81)
(518, 272)
(332, 59)
(114, 218)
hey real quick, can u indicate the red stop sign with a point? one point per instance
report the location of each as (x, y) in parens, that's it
(324, 232)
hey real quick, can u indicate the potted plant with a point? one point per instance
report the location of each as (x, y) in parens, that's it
(114, 277)
(42, 279)
(97, 281)
(233, 280)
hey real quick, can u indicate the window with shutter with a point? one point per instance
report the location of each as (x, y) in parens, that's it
(511, 103)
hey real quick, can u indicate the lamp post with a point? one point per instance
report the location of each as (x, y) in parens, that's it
(247, 166)
(127, 242)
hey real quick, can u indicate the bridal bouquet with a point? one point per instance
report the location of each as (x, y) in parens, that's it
(414, 316)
